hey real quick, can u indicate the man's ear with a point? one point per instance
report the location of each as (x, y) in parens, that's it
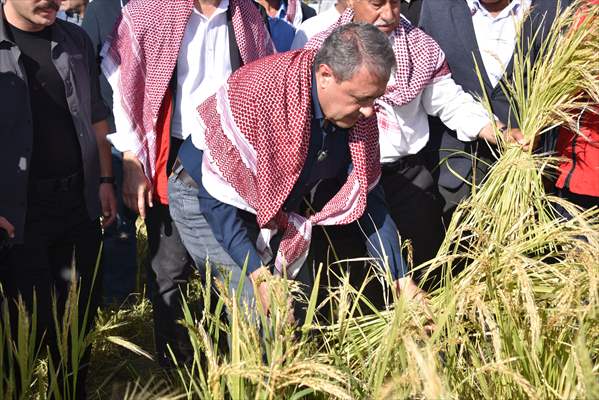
(324, 76)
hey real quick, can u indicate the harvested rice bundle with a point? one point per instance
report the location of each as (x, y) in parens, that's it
(543, 95)
(518, 320)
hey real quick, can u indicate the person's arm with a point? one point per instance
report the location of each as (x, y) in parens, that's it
(229, 230)
(137, 189)
(107, 196)
(8, 227)
(460, 112)
(99, 113)
(300, 38)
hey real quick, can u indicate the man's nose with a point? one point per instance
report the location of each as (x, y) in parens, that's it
(386, 12)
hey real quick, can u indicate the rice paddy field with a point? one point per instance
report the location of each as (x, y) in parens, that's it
(516, 315)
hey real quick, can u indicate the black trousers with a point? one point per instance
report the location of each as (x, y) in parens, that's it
(59, 235)
(169, 271)
(414, 204)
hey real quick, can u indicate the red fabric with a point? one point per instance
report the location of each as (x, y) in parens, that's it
(580, 172)
(270, 104)
(141, 54)
(163, 138)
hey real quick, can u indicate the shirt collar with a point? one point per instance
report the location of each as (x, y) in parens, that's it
(315, 103)
(282, 13)
(222, 8)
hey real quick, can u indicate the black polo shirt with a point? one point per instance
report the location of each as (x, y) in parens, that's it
(74, 57)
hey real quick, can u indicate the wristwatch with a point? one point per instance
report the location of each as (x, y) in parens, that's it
(107, 179)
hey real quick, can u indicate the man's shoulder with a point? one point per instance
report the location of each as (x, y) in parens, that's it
(319, 23)
(101, 7)
(73, 32)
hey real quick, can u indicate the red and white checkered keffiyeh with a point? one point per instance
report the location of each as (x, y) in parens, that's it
(257, 137)
(419, 62)
(141, 55)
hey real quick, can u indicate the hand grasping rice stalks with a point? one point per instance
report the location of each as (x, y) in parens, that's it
(508, 324)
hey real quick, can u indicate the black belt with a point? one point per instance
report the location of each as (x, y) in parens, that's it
(66, 184)
(183, 175)
(403, 163)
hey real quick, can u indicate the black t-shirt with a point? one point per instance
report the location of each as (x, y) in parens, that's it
(56, 151)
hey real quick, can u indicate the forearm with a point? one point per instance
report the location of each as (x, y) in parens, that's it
(457, 109)
(229, 231)
(104, 150)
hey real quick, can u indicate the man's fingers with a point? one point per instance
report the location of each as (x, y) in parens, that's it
(150, 196)
(109, 214)
(141, 201)
(8, 227)
(130, 201)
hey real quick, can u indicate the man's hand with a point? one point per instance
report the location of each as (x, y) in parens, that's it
(407, 287)
(137, 190)
(108, 201)
(8, 227)
(513, 135)
(260, 278)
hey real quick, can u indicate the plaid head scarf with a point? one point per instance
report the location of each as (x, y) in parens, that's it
(141, 55)
(257, 136)
(419, 62)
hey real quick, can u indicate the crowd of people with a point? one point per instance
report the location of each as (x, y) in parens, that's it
(240, 130)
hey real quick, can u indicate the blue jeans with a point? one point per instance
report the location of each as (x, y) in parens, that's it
(198, 239)
(119, 256)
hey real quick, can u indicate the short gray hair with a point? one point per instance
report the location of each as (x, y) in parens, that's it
(353, 45)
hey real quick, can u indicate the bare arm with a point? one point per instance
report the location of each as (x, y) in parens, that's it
(106, 193)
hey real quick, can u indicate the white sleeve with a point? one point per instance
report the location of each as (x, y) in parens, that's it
(457, 109)
(300, 39)
(124, 137)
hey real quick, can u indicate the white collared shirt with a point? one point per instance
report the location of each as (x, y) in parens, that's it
(314, 25)
(496, 36)
(408, 129)
(203, 65)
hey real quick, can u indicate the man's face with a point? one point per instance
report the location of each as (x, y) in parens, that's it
(344, 102)
(35, 13)
(384, 14)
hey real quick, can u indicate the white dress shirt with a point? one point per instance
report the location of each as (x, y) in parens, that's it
(408, 130)
(314, 25)
(203, 65)
(496, 36)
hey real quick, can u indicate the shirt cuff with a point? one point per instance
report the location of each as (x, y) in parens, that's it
(468, 132)
(122, 141)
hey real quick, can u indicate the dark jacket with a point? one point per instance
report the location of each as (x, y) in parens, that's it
(75, 61)
(449, 22)
(100, 17)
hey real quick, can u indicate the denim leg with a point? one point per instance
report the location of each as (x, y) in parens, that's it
(198, 238)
